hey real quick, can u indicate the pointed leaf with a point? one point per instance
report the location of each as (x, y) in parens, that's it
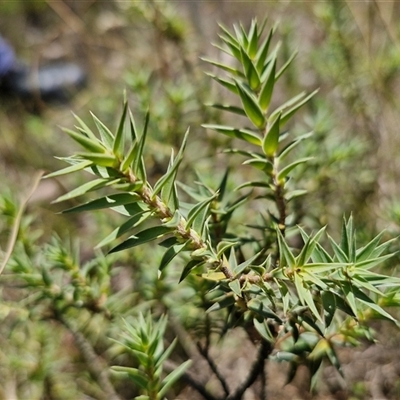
(283, 173)
(227, 68)
(250, 70)
(251, 107)
(170, 254)
(268, 86)
(73, 168)
(87, 187)
(263, 165)
(253, 40)
(263, 52)
(145, 236)
(103, 160)
(229, 108)
(195, 210)
(243, 134)
(105, 202)
(168, 178)
(118, 145)
(305, 296)
(286, 256)
(225, 83)
(131, 223)
(271, 138)
(289, 114)
(105, 134)
(138, 167)
(170, 379)
(93, 145)
(192, 264)
(285, 66)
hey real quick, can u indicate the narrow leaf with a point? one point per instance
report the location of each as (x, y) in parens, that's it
(263, 52)
(229, 108)
(87, 187)
(105, 202)
(93, 145)
(103, 160)
(243, 134)
(118, 145)
(250, 70)
(271, 138)
(268, 86)
(105, 134)
(73, 168)
(289, 114)
(145, 236)
(289, 168)
(251, 106)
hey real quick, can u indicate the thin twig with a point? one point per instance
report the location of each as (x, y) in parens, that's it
(214, 368)
(17, 222)
(256, 370)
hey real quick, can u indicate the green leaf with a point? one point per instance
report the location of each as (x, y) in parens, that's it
(263, 165)
(137, 376)
(93, 145)
(264, 331)
(263, 52)
(131, 223)
(85, 129)
(225, 83)
(192, 264)
(169, 177)
(365, 252)
(235, 287)
(233, 47)
(103, 160)
(286, 65)
(294, 194)
(229, 36)
(87, 187)
(309, 247)
(251, 107)
(145, 236)
(339, 253)
(283, 173)
(252, 183)
(106, 136)
(250, 70)
(118, 145)
(170, 254)
(229, 108)
(196, 209)
(243, 134)
(289, 114)
(286, 256)
(285, 151)
(227, 68)
(105, 202)
(268, 86)
(271, 138)
(305, 296)
(261, 307)
(253, 40)
(138, 167)
(73, 168)
(170, 379)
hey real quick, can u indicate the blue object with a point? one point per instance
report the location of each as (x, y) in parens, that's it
(7, 58)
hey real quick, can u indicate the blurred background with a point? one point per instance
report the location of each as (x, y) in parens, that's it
(152, 49)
